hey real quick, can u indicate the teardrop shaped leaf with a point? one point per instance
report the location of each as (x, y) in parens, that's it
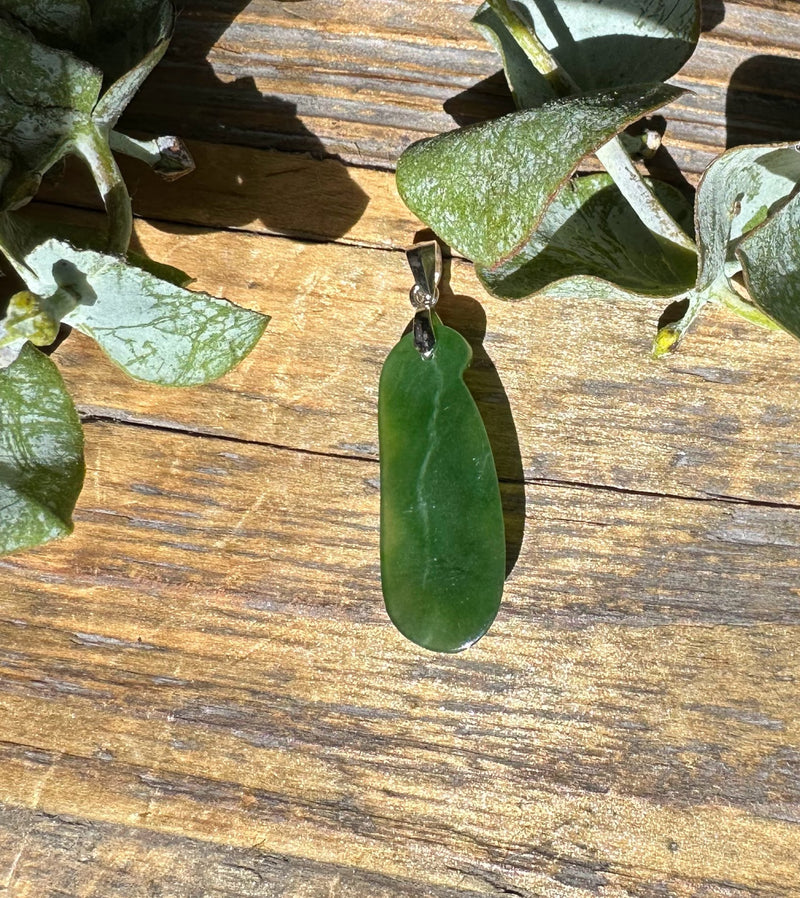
(442, 534)
(590, 229)
(770, 258)
(484, 189)
(153, 329)
(600, 45)
(41, 453)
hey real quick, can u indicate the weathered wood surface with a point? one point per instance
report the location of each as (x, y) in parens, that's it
(226, 675)
(361, 79)
(593, 408)
(200, 694)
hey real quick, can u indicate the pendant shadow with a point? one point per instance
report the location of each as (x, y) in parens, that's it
(466, 315)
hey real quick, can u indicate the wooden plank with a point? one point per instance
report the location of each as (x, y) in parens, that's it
(200, 694)
(568, 390)
(362, 80)
(260, 191)
(295, 533)
(103, 860)
(227, 676)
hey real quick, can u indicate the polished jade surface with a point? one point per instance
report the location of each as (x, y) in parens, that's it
(442, 536)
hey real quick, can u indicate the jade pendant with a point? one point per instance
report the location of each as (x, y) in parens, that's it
(442, 535)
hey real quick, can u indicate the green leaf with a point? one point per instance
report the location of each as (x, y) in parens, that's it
(41, 453)
(122, 91)
(114, 35)
(770, 258)
(46, 96)
(485, 189)
(153, 329)
(528, 86)
(601, 45)
(59, 23)
(143, 55)
(590, 229)
(737, 192)
(49, 94)
(741, 189)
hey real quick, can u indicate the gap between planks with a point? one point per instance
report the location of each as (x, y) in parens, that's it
(718, 419)
(94, 417)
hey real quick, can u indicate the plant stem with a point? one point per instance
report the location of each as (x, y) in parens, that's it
(718, 292)
(165, 155)
(638, 193)
(95, 151)
(669, 336)
(722, 292)
(534, 49)
(613, 154)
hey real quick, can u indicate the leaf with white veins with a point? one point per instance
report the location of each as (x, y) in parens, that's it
(153, 329)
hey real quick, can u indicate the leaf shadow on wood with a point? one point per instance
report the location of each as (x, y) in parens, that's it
(466, 315)
(186, 96)
(712, 13)
(661, 165)
(763, 101)
(484, 100)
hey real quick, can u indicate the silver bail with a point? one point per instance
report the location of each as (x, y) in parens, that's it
(425, 261)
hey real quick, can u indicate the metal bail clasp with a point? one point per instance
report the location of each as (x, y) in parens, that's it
(425, 261)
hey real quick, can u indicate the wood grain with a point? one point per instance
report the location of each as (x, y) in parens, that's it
(363, 80)
(295, 533)
(568, 391)
(205, 689)
(266, 192)
(200, 693)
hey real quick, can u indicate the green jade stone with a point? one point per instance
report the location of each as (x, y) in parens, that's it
(443, 549)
